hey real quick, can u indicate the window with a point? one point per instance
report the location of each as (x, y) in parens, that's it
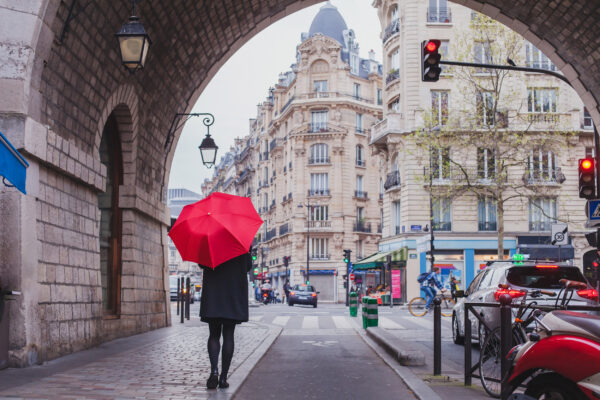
(395, 61)
(482, 55)
(396, 216)
(540, 100)
(542, 165)
(354, 63)
(360, 161)
(319, 213)
(319, 248)
(440, 163)
(394, 106)
(590, 151)
(379, 98)
(542, 213)
(441, 214)
(445, 54)
(318, 121)
(587, 119)
(359, 187)
(319, 184)
(266, 170)
(359, 123)
(486, 164)
(360, 214)
(438, 11)
(439, 106)
(320, 86)
(360, 249)
(485, 108)
(111, 221)
(486, 211)
(356, 92)
(534, 58)
(319, 154)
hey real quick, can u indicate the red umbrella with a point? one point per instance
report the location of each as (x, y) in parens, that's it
(215, 229)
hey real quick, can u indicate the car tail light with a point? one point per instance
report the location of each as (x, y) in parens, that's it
(511, 292)
(313, 294)
(590, 294)
(547, 266)
(292, 293)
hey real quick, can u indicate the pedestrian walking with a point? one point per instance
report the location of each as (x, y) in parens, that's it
(286, 289)
(224, 304)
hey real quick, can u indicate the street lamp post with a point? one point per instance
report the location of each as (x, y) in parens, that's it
(431, 218)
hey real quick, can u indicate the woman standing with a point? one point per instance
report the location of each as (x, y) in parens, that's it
(224, 304)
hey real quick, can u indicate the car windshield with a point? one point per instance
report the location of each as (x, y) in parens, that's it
(542, 277)
(304, 288)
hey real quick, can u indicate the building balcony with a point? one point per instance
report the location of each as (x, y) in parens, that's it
(487, 226)
(545, 178)
(319, 160)
(393, 75)
(392, 29)
(442, 15)
(392, 180)
(285, 229)
(286, 105)
(362, 227)
(359, 194)
(316, 128)
(320, 257)
(392, 123)
(442, 226)
(271, 234)
(361, 163)
(318, 224)
(540, 226)
(318, 192)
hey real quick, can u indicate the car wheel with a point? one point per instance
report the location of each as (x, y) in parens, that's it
(456, 337)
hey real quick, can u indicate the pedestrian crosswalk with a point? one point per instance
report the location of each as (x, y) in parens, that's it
(320, 321)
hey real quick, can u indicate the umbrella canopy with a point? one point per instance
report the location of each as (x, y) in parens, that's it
(215, 229)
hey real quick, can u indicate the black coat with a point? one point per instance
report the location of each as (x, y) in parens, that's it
(225, 290)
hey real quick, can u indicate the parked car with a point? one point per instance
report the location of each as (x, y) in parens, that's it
(197, 294)
(303, 294)
(173, 286)
(517, 278)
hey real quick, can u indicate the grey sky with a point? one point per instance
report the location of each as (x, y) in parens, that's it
(243, 81)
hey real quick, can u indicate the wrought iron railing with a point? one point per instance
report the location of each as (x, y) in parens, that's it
(359, 194)
(362, 227)
(392, 179)
(318, 192)
(391, 30)
(442, 226)
(318, 160)
(487, 226)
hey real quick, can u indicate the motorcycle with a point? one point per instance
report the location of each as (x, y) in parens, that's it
(561, 359)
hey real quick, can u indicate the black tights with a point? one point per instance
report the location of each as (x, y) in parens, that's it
(214, 345)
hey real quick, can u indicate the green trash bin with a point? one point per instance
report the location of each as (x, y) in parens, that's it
(372, 312)
(365, 299)
(353, 302)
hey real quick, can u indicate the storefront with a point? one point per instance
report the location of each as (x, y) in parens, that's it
(324, 282)
(371, 275)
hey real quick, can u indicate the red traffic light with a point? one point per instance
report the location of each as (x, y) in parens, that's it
(431, 46)
(587, 164)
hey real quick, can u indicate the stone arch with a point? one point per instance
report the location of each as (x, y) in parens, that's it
(319, 66)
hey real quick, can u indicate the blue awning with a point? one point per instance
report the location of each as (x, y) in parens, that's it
(13, 167)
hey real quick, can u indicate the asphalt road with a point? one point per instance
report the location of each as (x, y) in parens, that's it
(318, 356)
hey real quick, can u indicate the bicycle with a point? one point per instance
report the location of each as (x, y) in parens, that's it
(417, 305)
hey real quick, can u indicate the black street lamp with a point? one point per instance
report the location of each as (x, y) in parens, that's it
(208, 148)
(133, 43)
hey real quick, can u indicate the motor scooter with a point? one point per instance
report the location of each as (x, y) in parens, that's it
(561, 359)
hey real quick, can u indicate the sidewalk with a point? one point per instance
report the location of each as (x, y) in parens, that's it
(167, 363)
(419, 378)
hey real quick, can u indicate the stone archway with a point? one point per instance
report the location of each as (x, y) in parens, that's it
(56, 97)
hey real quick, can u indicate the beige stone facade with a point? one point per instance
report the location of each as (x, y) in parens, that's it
(466, 234)
(311, 141)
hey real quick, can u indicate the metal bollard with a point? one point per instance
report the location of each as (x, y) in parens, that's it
(353, 301)
(468, 339)
(505, 340)
(187, 299)
(437, 336)
(365, 299)
(178, 292)
(372, 312)
(182, 299)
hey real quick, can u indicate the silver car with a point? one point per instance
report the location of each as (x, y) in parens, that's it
(514, 277)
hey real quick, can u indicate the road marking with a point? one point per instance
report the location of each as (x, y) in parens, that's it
(319, 343)
(256, 318)
(281, 320)
(310, 322)
(387, 323)
(341, 322)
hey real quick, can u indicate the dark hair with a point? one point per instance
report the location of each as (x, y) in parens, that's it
(435, 269)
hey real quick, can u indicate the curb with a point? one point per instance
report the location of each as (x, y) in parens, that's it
(239, 376)
(391, 345)
(421, 390)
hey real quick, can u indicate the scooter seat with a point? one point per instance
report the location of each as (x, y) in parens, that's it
(589, 323)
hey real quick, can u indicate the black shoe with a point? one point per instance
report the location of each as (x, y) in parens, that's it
(223, 382)
(213, 381)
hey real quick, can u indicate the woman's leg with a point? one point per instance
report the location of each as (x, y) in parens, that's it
(214, 345)
(227, 352)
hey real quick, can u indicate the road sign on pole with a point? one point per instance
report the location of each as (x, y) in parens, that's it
(592, 209)
(560, 234)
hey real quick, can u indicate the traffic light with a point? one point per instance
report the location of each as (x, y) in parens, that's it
(587, 178)
(286, 260)
(347, 256)
(253, 254)
(431, 60)
(256, 271)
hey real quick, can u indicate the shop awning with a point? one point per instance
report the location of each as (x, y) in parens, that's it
(13, 166)
(377, 260)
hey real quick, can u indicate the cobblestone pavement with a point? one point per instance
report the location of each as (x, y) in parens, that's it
(171, 363)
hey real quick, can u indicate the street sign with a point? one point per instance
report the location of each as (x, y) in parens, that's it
(560, 234)
(592, 209)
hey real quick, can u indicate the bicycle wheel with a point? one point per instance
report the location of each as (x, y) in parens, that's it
(490, 360)
(417, 306)
(447, 306)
